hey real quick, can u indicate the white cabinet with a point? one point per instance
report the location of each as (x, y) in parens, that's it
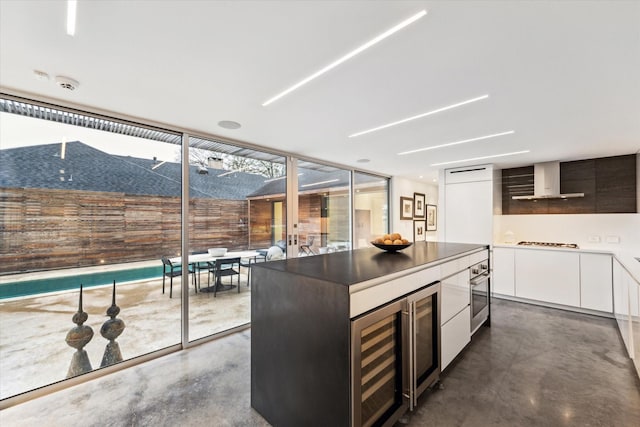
(455, 295)
(468, 204)
(596, 291)
(503, 277)
(469, 212)
(550, 276)
(455, 334)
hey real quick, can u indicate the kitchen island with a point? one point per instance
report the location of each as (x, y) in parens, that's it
(303, 311)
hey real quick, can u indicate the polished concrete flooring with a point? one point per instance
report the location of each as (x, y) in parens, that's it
(534, 367)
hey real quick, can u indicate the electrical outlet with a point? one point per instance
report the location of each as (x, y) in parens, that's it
(594, 239)
(613, 239)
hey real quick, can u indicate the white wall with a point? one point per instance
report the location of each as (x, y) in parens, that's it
(401, 187)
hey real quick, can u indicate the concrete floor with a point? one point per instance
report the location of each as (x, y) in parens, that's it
(33, 329)
(534, 367)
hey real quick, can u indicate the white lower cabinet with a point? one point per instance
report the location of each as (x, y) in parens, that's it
(455, 334)
(503, 276)
(549, 276)
(455, 295)
(596, 292)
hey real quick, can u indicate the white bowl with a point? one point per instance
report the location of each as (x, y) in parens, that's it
(217, 251)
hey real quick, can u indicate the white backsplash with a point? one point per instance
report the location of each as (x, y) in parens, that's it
(583, 229)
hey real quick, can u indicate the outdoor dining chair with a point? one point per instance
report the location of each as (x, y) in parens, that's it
(169, 270)
(222, 268)
(247, 262)
(305, 249)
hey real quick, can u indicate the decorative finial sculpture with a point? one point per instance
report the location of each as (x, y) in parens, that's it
(111, 329)
(77, 338)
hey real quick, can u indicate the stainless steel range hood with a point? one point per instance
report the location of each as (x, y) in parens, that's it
(546, 183)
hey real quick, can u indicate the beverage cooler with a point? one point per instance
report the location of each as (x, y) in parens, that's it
(395, 356)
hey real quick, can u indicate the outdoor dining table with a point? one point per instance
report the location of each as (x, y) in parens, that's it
(195, 259)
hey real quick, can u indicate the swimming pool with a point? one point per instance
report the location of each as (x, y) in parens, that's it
(53, 284)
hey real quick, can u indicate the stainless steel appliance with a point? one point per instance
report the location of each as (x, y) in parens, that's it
(479, 276)
(550, 244)
(395, 357)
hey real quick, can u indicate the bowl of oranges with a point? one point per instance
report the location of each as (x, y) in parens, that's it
(391, 242)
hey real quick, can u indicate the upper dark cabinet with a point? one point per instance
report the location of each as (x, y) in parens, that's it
(616, 184)
(608, 183)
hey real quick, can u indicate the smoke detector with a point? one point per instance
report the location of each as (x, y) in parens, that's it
(67, 83)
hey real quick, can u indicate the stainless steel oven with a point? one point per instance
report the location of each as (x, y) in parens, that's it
(479, 283)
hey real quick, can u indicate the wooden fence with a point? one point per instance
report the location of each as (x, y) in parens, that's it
(42, 229)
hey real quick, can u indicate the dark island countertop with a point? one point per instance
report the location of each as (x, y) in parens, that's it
(351, 267)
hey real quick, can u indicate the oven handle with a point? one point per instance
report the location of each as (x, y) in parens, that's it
(479, 279)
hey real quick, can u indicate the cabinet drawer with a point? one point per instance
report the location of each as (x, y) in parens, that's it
(453, 267)
(455, 293)
(456, 334)
(478, 257)
(374, 296)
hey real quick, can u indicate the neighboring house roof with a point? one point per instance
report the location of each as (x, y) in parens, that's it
(89, 169)
(310, 180)
(229, 186)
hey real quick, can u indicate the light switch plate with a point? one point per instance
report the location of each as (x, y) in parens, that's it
(594, 239)
(613, 239)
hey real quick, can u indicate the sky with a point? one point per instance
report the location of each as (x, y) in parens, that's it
(19, 131)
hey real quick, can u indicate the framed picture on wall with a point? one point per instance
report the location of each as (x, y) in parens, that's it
(406, 208)
(418, 205)
(419, 230)
(432, 217)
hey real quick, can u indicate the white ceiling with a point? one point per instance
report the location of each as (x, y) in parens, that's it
(564, 75)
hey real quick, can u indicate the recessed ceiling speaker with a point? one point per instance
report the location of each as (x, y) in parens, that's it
(40, 75)
(67, 83)
(229, 124)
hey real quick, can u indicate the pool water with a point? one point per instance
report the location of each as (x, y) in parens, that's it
(40, 286)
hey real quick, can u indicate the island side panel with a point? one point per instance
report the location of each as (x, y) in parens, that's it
(300, 349)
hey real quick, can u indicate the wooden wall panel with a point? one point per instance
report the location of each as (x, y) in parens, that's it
(608, 183)
(576, 177)
(616, 184)
(261, 226)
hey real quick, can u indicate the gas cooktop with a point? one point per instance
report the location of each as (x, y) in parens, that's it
(550, 244)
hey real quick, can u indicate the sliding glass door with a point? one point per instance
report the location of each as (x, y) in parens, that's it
(176, 221)
(236, 208)
(324, 209)
(371, 209)
(88, 209)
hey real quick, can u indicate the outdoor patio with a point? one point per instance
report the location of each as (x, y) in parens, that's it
(33, 329)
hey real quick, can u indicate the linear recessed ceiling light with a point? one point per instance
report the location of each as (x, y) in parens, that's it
(71, 17)
(348, 56)
(479, 138)
(408, 119)
(480, 158)
(320, 182)
(279, 178)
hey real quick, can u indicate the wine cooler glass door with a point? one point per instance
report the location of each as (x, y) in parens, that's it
(379, 366)
(425, 322)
